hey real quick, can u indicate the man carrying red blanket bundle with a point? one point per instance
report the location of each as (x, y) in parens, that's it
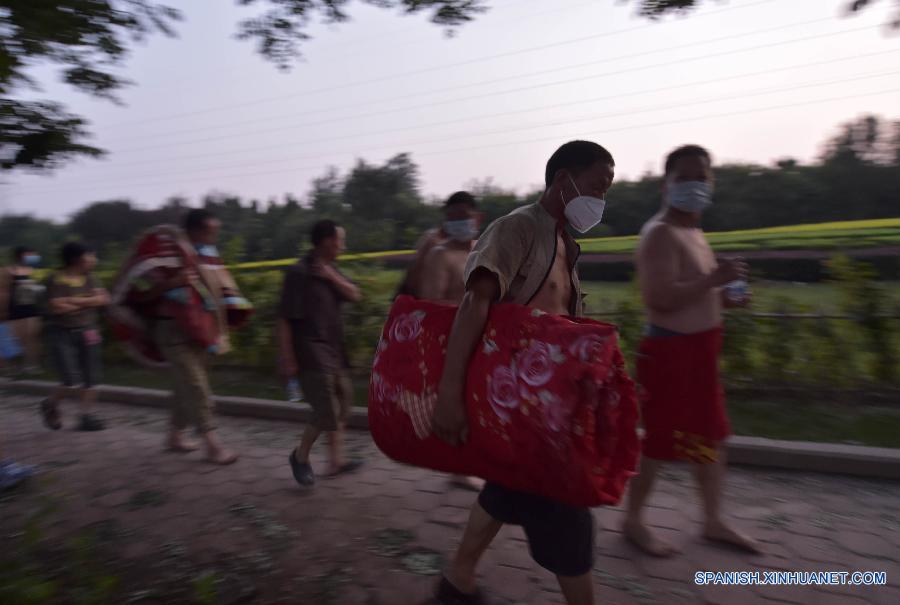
(173, 304)
(525, 257)
(683, 407)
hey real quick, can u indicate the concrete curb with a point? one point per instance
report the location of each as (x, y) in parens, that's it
(831, 458)
(230, 406)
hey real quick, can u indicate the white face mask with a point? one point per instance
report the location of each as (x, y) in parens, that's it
(689, 196)
(461, 231)
(584, 211)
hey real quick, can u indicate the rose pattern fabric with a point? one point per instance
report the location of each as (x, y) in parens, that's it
(550, 407)
(535, 365)
(586, 347)
(407, 327)
(503, 391)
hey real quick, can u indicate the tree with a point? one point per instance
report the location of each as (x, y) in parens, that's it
(110, 222)
(384, 203)
(87, 39)
(39, 135)
(280, 31)
(657, 8)
(43, 236)
(867, 140)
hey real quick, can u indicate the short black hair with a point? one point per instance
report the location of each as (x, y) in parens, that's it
(19, 252)
(685, 151)
(196, 219)
(322, 230)
(461, 197)
(72, 252)
(576, 156)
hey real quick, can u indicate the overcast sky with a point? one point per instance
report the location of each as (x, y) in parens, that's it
(753, 80)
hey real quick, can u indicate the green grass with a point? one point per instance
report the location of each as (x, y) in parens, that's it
(827, 423)
(604, 297)
(830, 236)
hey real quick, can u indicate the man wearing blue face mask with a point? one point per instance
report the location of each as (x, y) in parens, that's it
(20, 298)
(683, 408)
(443, 266)
(526, 257)
(442, 270)
(457, 209)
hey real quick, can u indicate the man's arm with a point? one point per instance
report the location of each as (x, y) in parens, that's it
(437, 277)
(290, 307)
(59, 305)
(346, 288)
(99, 298)
(450, 422)
(179, 280)
(287, 362)
(413, 279)
(657, 265)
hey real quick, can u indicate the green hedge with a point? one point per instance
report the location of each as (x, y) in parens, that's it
(861, 351)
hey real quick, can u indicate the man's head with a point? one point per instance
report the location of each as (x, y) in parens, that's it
(328, 239)
(578, 169)
(461, 217)
(78, 257)
(202, 226)
(23, 255)
(689, 180)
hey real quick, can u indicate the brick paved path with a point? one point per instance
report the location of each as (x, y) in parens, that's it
(166, 528)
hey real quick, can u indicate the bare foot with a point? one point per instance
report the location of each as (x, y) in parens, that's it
(470, 483)
(719, 532)
(181, 446)
(638, 534)
(221, 456)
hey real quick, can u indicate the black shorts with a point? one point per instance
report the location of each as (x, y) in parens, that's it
(77, 359)
(560, 536)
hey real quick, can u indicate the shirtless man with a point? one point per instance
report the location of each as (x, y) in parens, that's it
(526, 257)
(441, 275)
(683, 407)
(414, 280)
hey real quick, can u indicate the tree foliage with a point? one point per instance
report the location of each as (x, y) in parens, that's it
(89, 39)
(382, 207)
(658, 8)
(280, 31)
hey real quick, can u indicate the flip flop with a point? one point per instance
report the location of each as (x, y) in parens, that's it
(448, 594)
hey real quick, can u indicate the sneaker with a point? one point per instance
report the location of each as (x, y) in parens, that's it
(13, 473)
(303, 473)
(89, 422)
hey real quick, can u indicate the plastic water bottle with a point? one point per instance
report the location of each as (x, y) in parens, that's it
(293, 391)
(737, 290)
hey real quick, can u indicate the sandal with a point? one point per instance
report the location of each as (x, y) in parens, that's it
(448, 594)
(50, 414)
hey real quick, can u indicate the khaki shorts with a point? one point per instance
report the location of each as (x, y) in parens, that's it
(330, 394)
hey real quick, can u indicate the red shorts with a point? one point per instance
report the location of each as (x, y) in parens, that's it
(682, 401)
